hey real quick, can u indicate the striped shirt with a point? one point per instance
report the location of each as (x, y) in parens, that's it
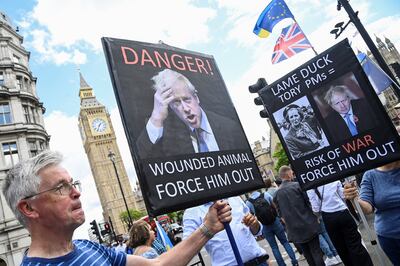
(85, 253)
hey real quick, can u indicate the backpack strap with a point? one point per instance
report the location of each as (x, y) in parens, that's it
(318, 194)
(321, 197)
(251, 200)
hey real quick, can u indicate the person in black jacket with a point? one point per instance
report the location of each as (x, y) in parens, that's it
(302, 225)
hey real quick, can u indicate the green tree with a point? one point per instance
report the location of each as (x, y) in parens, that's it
(176, 216)
(281, 157)
(135, 215)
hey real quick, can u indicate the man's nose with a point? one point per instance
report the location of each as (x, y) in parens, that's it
(75, 193)
(185, 106)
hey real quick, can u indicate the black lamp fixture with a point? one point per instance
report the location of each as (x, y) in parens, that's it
(111, 156)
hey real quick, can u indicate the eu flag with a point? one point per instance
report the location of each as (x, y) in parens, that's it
(272, 14)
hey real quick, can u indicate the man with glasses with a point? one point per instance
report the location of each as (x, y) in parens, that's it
(350, 116)
(45, 200)
(189, 129)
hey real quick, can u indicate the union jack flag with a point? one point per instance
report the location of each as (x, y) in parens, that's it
(291, 41)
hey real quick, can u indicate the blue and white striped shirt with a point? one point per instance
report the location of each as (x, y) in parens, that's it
(85, 253)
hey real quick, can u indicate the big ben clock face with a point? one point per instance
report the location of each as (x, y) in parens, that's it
(99, 125)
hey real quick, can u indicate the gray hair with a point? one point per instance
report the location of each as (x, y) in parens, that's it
(167, 77)
(335, 89)
(23, 180)
(283, 171)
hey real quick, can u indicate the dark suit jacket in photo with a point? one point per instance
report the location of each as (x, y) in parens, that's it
(176, 138)
(366, 119)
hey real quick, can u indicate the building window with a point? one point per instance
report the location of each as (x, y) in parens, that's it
(10, 153)
(26, 114)
(5, 114)
(18, 83)
(33, 150)
(16, 59)
(26, 84)
(15, 244)
(33, 112)
(1, 79)
(42, 146)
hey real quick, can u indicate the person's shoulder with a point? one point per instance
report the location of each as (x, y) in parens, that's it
(291, 185)
(369, 173)
(290, 135)
(195, 212)
(222, 120)
(332, 115)
(84, 242)
(267, 196)
(360, 103)
(87, 244)
(150, 253)
(254, 194)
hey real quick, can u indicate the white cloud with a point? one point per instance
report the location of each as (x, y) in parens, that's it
(66, 37)
(73, 26)
(78, 57)
(51, 53)
(386, 27)
(66, 139)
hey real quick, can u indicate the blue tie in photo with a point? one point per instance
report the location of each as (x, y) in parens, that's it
(202, 145)
(350, 125)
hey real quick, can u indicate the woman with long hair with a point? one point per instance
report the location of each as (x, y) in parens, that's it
(141, 236)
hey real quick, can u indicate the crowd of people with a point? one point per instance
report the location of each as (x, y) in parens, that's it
(45, 200)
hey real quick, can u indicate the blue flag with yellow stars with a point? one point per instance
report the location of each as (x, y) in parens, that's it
(272, 14)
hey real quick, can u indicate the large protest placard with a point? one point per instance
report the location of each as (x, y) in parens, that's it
(183, 131)
(329, 119)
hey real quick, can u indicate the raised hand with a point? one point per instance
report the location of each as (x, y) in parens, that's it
(251, 221)
(162, 98)
(218, 213)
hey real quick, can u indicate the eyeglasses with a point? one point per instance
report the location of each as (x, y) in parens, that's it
(63, 189)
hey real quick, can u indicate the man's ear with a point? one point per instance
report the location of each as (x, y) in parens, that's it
(26, 209)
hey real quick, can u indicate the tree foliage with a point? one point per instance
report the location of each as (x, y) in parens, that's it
(135, 215)
(281, 157)
(176, 216)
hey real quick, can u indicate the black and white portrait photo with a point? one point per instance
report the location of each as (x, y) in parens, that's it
(300, 129)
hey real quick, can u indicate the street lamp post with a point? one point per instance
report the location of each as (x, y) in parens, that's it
(111, 155)
(367, 39)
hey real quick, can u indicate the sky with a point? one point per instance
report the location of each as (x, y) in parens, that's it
(63, 37)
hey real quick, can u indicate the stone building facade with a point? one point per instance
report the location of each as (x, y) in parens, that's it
(22, 131)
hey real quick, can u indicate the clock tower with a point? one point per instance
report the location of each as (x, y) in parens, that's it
(99, 139)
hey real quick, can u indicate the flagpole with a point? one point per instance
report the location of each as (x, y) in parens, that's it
(233, 244)
(312, 47)
(367, 39)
